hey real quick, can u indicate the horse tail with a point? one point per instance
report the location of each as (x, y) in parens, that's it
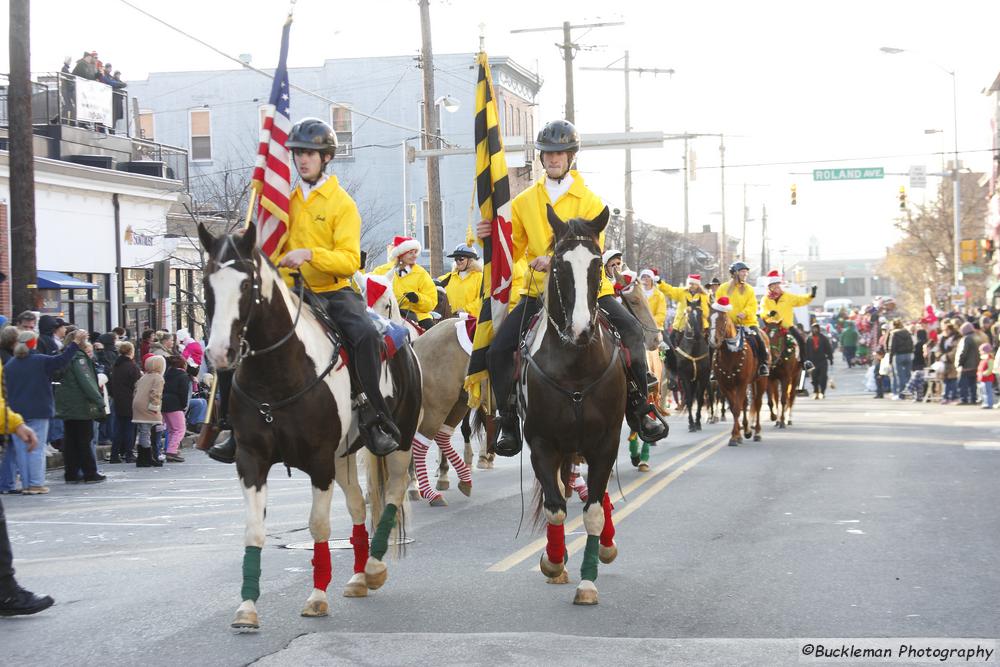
(377, 476)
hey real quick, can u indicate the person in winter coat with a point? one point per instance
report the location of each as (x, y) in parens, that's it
(8, 339)
(176, 392)
(917, 386)
(946, 348)
(191, 350)
(412, 285)
(29, 393)
(967, 362)
(122, 388)
(147, 412)
(820, 352)
(984, 373)
(51, 331)
(79, 402)
(146, 340)
(849, 342)
(899, 346)
(163, 344)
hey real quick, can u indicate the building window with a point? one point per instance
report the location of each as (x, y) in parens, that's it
(146, 125)
(849, 287)
(186, 298)
(201, 135)
(343, 125)
(88, 309)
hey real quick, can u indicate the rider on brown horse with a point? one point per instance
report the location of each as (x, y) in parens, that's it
(777, 308)
(743, 312)
(564, 190)
(323, 244)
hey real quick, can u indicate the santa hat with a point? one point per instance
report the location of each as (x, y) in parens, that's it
(694, 279)
(375, 287)
(722, 305)
(402, 244)
(183, 336)
(773, 278)
(648, 273)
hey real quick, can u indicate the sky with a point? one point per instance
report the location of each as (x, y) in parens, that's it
(793, 86)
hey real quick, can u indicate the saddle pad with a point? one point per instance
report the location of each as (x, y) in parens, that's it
(394, 335)
(465, 329)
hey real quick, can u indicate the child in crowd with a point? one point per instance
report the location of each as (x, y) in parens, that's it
(146, 412)
(984, 374)
(176, 392)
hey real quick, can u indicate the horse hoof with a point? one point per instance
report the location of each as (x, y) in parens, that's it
(439, 502)
(643, 467)
(781, 425)
(245, 621)
(692, 428)
(608, 554)
(465, 488)
(756, 437)
(316, 608)
(734, 442)
(357, 587)
(550, 569)
(561, 578)
(788, 423)
(375, 574)
(483, 463)
(586, 593)
(747, 434)
(467, 454)
(443, 485)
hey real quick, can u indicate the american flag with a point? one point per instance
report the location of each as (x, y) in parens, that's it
(272, 173)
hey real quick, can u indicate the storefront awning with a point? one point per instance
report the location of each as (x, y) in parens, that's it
(56, 280)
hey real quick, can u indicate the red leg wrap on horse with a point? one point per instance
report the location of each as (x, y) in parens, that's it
(443, 440)
(359, 538)
(555, 549)
(322, 570)
(608, 532)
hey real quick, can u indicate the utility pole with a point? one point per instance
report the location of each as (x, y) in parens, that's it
(435, 242)
(763, 239)
(23, 261)
(687, 241)
(746, 218)
(631, 259)
(722, 170)
(569, 48)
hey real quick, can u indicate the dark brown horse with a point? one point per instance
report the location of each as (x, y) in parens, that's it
(572, 392)
(784, 379)
(693, 366)
(734, 368)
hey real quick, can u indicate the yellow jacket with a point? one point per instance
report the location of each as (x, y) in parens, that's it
(415, 280)
(329, 225)
(11, 420)
(783, 305)
(532, 234)
(744, 303)
(463, 292)
(683, 298)
(517, 286)
(657, 306)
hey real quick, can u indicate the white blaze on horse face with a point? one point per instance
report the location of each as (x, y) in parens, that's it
(579, 260)
(225, 284)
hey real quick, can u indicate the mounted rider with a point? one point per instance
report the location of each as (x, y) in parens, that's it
(411, 284)
(777, 308)
(742, 310)
(562, 188)
(691, 296)
(323, 245)
(654, 297)
(713, 285)
(464, 282)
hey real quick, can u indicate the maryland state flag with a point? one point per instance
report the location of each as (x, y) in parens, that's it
(493, 195)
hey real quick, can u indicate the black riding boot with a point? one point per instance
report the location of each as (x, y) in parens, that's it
(638, 415)
(225, 451)
(509, 441)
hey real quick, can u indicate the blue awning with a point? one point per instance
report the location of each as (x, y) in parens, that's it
(56, 280)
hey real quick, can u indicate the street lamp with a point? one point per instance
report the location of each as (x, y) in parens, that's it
(957, 193)
(450, 104)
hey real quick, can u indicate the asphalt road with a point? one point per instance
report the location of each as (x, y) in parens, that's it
(867, 518)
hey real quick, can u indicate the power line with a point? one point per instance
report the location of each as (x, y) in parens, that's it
(825, 160)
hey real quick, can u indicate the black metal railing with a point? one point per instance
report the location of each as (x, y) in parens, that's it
(56, 99)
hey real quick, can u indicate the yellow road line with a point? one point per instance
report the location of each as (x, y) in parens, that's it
(572, 524)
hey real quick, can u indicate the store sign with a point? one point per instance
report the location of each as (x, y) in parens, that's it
(93, 102)
(131, 238)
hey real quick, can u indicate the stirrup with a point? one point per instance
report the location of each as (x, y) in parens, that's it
(509, 441)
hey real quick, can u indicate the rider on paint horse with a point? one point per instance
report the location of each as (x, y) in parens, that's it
(564, 190)
(742, 310)
(323, 244)
(464, 282)
(777, 309)
(412, 286)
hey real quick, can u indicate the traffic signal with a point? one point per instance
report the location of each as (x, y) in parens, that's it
(987, 248)
(902, 197)
(968, 250)
(794, 202)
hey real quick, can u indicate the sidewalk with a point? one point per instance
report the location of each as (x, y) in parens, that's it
(55, 460)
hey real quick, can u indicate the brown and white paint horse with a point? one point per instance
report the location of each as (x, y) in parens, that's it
(291, 404)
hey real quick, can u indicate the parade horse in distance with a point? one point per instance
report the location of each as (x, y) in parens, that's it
(734, 368)
(291, 404)
(444, 364)
(693, 366)
(784, 379)
(571, 390)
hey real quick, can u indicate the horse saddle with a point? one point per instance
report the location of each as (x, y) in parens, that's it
(395, 336)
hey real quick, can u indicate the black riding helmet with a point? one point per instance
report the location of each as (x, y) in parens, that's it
(558, 136)
(737, 266)
(313, 134)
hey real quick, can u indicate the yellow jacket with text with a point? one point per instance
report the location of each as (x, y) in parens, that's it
(531, 231)
(328, 224)
(517, 289)
(744, 302)
(783, 305)
(416, 280)
(463, 291)
(683, 298)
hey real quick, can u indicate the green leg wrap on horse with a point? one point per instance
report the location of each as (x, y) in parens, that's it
(633, 446)
(380, 541)
(588, 570)
(644, 456)
(251, 574)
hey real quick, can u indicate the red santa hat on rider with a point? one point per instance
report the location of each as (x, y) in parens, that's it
(722, 305)
(694, 279)
(773, 278)
(375, 287)
(401, 245)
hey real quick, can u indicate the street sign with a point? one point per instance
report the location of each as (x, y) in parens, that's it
(848, 174)
(972, 270)
(918, 176)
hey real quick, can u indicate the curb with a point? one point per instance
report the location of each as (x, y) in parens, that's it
(55, 460)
